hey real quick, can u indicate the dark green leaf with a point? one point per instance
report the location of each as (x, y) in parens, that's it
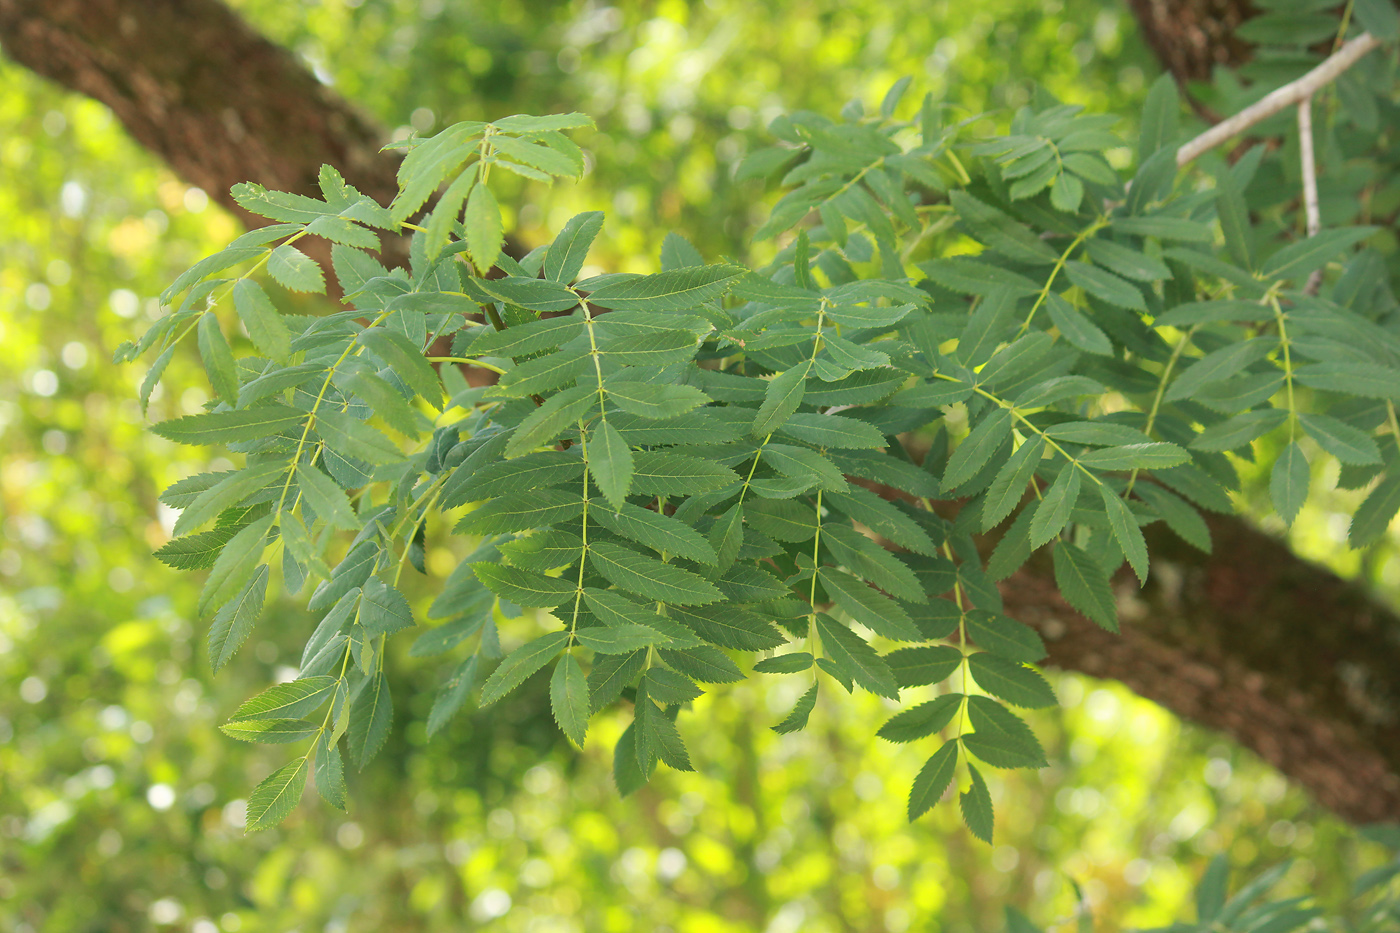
(1011, 681)
(933, 779)
(227, 427)
(1085, 586)
(649, 577)
(277, 795)
(371, 715)
(1004, 636)
(1341, 440)
(524, 588)
(919, 667)
(1374, 515)
(976, 804)
(1288, 482)
(855, 658)
(568, 698)
(923, 720)
(974, 452)
(520, 664)
(676, 290)
(796, 720)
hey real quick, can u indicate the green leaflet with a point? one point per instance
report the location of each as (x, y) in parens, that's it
(544, 374)
(1053, 511)
(233, 623)
(881, 517)
(610, 463)
(275, 797)
(1004, 636)
(1341, 440)
(924, 665)
(295, 270)
(568, 699)
(529, 293)
(329, 772)
(655, 530)
(1149, 456)
(227, 427)
(1085, 586)
(974, 452)
(1009, 487)
(1288, 483)
(832, 431)
(1179, 515)
(383, 610)
(796, 720)
(406, 359)
(270, 731)
(482, 223)
(1346, 378)
(527, 338)
(976, 805)
(348, 436)
(674, 474)
(729, 626)
(520, 664)
(195, 552)
(570, 248)
(791, 663)
(1011, 681)
(854, 657)
(265, 326)
(1105, 286)
(326, 499)
(649, 577)
(288, 700)
(1000, 232)
(656, 402)
(521, 475)
(868, 606)
(1126, 531)
(388, 403)
(806, 464)
(236, 564)
(535, 508)
(547, 422)
(1002, 739)
(1374, 515)
(228, 492)
(780, 400)
(923, 720)
(658, 349)
(371, 715)
(1297, 260)
(617, 611)
(524, 588)
(933, 779)
(677, 290)
(217, 357)
(620, 639)
(1076, 327)
(1238, 431)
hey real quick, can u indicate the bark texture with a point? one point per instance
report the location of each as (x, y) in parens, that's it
(1192, 37)
(195, 84)
(1282, 656)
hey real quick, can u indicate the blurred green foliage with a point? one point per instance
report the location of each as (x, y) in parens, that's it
(119, 806)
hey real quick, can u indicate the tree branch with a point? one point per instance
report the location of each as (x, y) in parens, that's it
(1282, 656)
(1292, 93)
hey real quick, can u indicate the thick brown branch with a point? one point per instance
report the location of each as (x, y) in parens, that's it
(1284, 657)
(194, 83)
(1281, 655)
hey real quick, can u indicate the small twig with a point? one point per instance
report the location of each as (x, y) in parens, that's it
(1292, 93)
(1309, 166)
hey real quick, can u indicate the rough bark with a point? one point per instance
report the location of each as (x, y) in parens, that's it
(1192, 37)
(1284, 657)
(195, 84)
